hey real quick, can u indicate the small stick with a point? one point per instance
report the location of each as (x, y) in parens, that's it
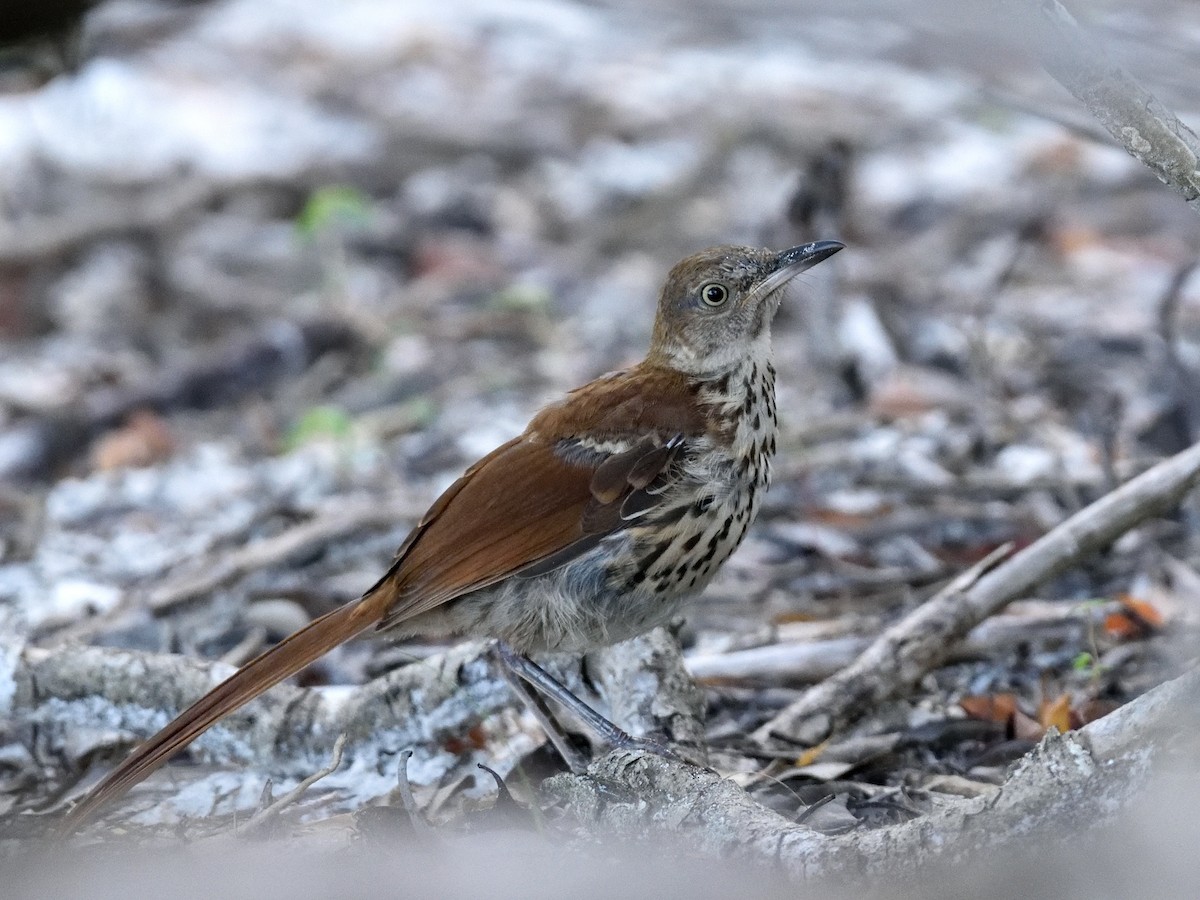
(407, 800)
(263, 816)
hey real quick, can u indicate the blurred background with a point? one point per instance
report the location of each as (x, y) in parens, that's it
(257, 257)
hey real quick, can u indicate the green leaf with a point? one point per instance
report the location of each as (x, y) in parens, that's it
(333, 205)
(1083, 662)
(319, 422)
(522, 298)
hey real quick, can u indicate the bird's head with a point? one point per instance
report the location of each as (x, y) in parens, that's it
(717, 305)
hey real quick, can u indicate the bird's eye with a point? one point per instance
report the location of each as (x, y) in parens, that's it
(714, 294)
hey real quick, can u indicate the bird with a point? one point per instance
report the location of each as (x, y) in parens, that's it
(593, 525)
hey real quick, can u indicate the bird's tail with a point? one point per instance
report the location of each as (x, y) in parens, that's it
(261, 673)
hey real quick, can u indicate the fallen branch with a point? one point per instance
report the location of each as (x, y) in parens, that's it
(1068, 784)
(902, 655)
(335, 521)
(71, 701)
(1131, 114)
(805, 661)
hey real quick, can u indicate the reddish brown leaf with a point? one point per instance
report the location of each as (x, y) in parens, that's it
(1137, 618)
(787, 617)
(989, 707)
(142, 441)
(474, 739)
(1144, 610)
(847, 520)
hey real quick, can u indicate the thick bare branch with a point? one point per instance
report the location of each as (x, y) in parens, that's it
(1067, 784)
(1131, 114)
(926, 637)
(75, 699)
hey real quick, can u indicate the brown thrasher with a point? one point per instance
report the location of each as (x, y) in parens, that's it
(592, 526)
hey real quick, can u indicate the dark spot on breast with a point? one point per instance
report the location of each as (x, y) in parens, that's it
(671, 515)
(651, 558)
(757, 423)
(690, 543)
(701, 506)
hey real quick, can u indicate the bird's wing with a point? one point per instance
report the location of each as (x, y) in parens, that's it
(529, 507)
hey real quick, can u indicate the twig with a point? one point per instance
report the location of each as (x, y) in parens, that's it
(800, 660)
(35, 237)
(1131, 114)
(263, 816)
(901, 656)
(335, 521)
(794, 661)
(407, 800)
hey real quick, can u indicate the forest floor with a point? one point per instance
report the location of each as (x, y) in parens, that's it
(268, 267)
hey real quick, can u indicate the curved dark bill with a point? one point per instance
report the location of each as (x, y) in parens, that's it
(806, 256)
(791, 263)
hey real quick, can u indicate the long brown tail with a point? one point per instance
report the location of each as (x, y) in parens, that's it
(261, 673)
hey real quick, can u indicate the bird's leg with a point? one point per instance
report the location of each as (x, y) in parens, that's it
(518, 667)
(510, 664)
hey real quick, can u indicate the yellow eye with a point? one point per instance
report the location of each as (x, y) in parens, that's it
(714, 294)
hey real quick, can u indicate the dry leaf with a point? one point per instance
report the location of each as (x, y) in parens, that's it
(788, 618)
(1136, 619)
(811, 755)
(989, 707)
(1026, 728)
(143, 440)
(1056, 712)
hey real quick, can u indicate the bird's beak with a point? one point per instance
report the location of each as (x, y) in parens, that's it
(791, 263)
(806, 256)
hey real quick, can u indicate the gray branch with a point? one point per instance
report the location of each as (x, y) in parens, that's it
(901, 656)
(75, 699)
(1136, 119)
(66, 703)
(1068, 784)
